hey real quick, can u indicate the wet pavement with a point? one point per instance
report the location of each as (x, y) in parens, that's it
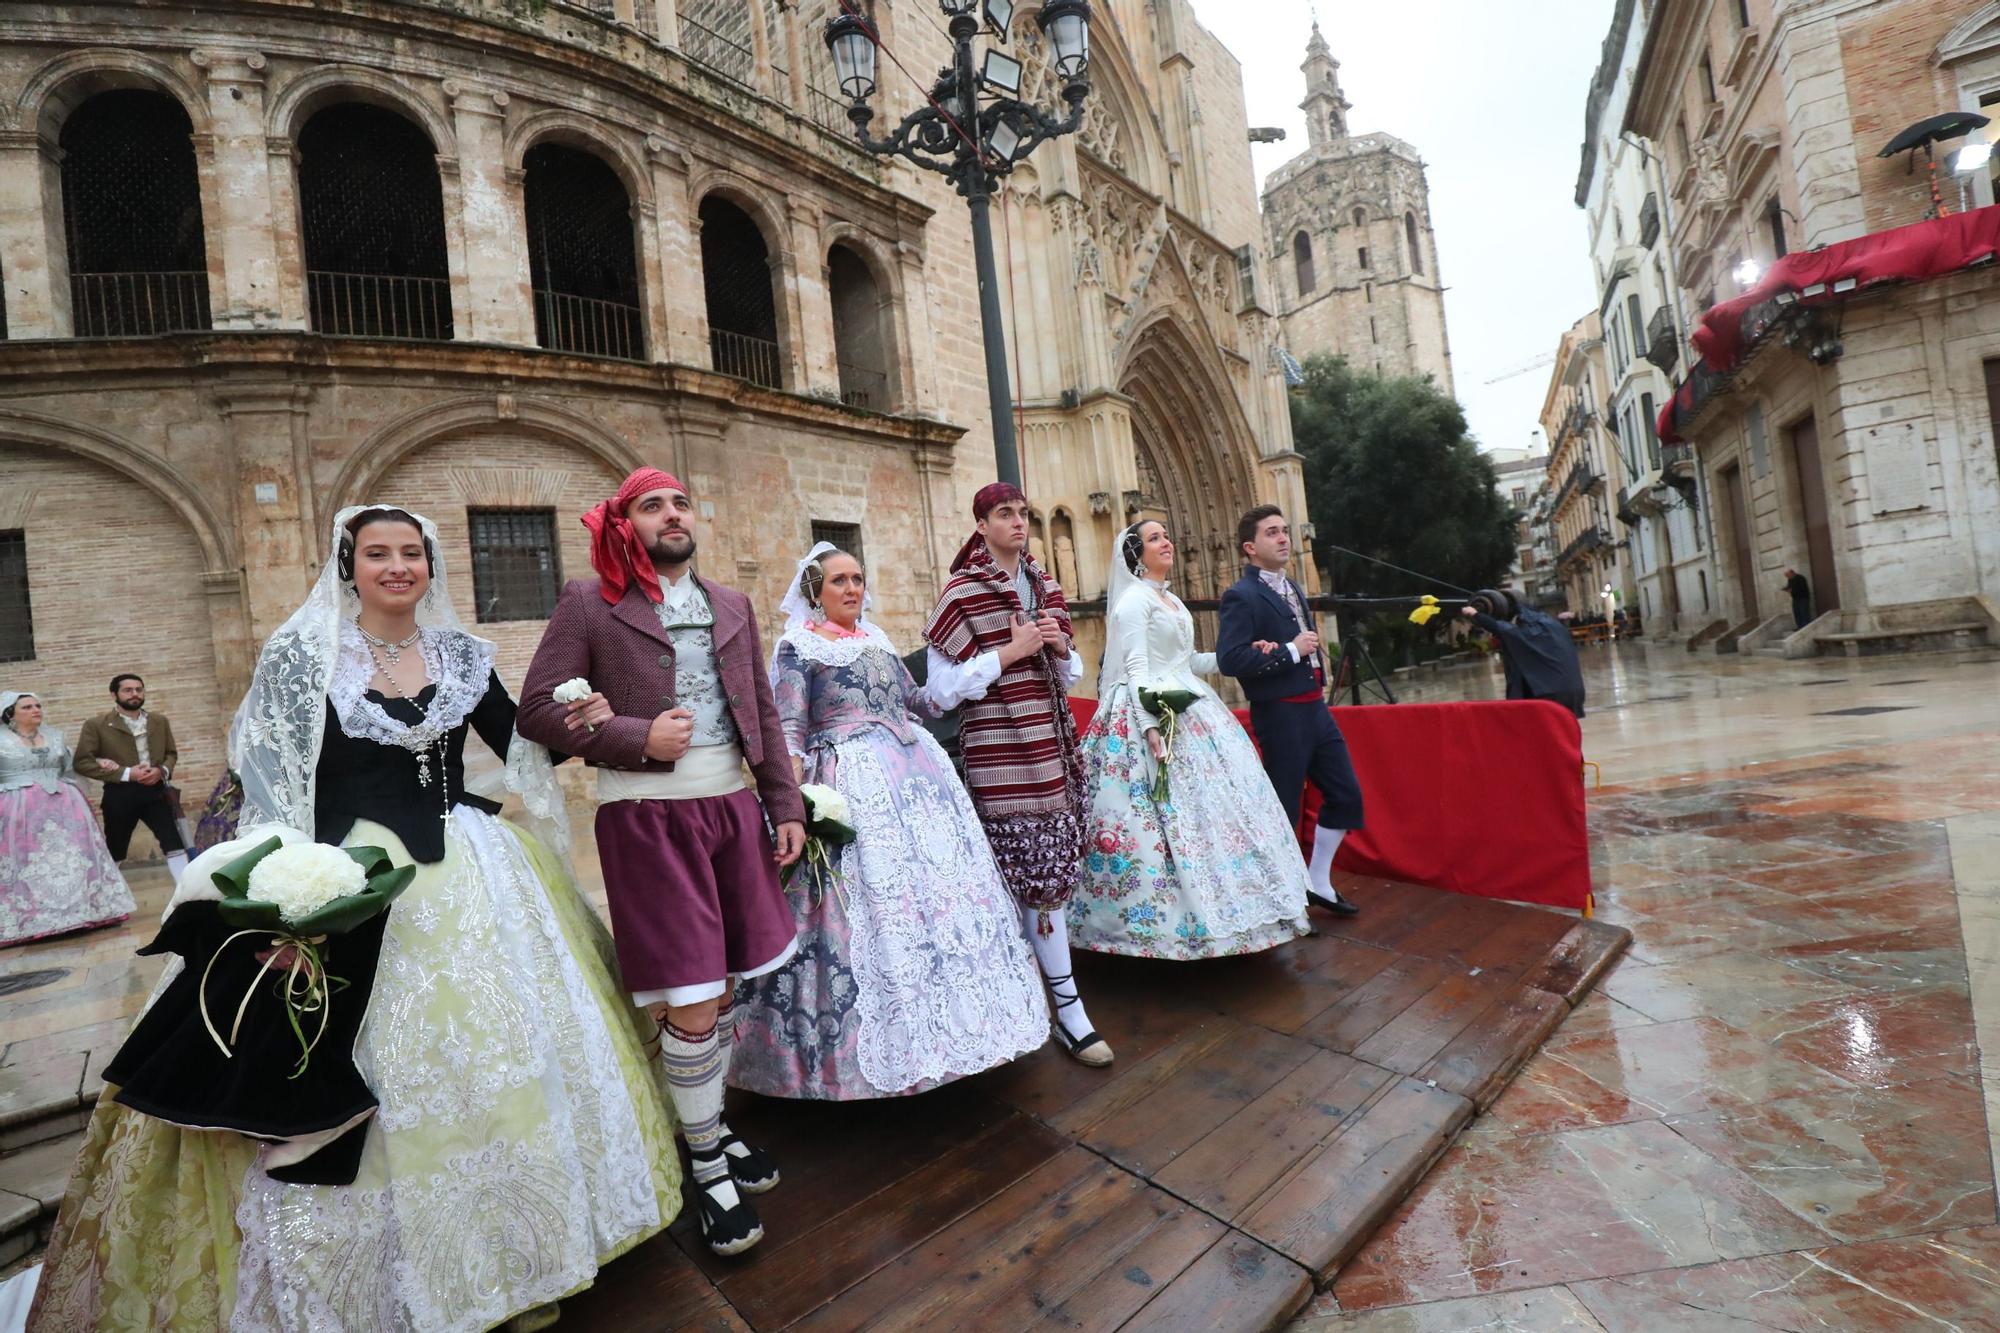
(1770, 1114)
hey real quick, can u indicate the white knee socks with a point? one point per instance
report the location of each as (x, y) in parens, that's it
(1326, 841)
(176, 863)
(1052, 953)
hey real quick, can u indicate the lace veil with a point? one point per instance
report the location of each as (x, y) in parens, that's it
(1123, 583)
(316, 655)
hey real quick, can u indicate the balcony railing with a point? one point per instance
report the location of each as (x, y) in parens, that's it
(726, 56)
(1663, 349)
(379, 305)
(828, 110)
(1649, 221)
(589, 326)
(1583, 543)
(125, 305)
(745, 356)
(1677, 462)
(863, 386)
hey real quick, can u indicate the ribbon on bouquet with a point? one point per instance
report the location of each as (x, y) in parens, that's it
(304, 988)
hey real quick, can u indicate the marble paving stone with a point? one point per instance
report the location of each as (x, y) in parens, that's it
(1731, 983)
(1879, 1039)
(1945, 1282)
(1527, 1212)
(1975, 857)
(1890, 961)
(1548, 1096)
(1542, 1310)
(1598, 1012)
(1861, 1164)
(1698, 1064)
(39, 1171)
(31, 1091)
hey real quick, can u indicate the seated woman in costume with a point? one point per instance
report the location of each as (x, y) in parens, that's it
(1208, 865)
(480, 1126)
(56, 874)
(911, 970)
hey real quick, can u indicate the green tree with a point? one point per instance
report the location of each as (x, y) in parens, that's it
(1390, 472)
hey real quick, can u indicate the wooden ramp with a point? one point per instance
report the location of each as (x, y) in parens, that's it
(1265, 1114)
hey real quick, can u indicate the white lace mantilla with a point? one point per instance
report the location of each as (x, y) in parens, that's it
(836, 652)
(507, 1154)
(458, 664)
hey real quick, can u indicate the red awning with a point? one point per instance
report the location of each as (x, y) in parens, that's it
(1927, 249)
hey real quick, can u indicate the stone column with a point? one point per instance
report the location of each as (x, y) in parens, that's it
(288, 232)
(32, 254)
(277, 522)
(1819, 123)
(243, 220)
(677, 303)
(916, 341)
(668, 15)
(810, 295)
(499, 304)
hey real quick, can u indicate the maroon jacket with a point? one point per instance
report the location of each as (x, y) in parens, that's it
(626, 656)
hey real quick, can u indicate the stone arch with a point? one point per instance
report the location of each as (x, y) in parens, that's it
(217, 541)
(413, 431)
(1977, 34)
(297, 100)
(750, 196)
(1186, 417)
(615, 145)
(46, 101)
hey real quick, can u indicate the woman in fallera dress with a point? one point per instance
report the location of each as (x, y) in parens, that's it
(1214, 869)
(911, 970)
(513, 1132)
(56, 874)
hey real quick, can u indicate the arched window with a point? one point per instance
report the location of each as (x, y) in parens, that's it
(581, 258)
(372, 212)
(1360, 217)
(742, 309)
(860, 331)
(1415, 241)
(1302, 262)
(138, 262)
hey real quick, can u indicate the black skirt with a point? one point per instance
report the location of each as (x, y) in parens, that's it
(170, 1068)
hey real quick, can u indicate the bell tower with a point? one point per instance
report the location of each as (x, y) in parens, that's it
(1325, 107)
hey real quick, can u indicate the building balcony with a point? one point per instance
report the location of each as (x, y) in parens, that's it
(1585, 542)
(1663, 347)
(1649, 220)
(1677, 463)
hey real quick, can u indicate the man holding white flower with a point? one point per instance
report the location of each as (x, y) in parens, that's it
(678, 705)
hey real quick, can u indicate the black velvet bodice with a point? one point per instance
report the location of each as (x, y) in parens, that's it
(363, 779)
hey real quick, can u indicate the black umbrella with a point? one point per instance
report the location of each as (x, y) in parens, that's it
(1936, 129)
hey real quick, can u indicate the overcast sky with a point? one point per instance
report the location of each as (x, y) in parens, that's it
(1492, 96)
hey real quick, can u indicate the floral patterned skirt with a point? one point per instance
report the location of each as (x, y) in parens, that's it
(1214, 871)
(912, 971)
(56, 875)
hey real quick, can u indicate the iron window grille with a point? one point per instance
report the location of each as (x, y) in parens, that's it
(17, 621)
(516, 569)
(847, 536)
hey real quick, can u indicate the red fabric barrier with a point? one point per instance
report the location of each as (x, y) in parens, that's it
(1478, 798)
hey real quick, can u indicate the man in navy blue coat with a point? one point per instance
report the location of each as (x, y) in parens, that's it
(1270, 643)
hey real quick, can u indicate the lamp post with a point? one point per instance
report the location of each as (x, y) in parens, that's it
(972, 129)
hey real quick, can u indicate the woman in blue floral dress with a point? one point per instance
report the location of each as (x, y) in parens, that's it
(1213, 869)
(911, 970)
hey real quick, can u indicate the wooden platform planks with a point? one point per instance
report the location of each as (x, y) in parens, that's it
(1264, 1116)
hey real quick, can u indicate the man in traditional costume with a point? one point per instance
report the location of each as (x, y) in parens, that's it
(132, 752)
(1269, 641)
(690, 873)
(1001, 644)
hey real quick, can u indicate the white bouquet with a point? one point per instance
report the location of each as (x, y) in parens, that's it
(573, 690)
(300, 879)
(829, 825)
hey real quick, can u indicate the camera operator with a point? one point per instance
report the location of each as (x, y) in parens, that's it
(1536, 649)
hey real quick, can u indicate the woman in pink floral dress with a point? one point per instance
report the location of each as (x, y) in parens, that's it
(56, 875)
(1213, 868)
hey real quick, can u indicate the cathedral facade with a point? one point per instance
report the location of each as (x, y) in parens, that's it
(265, 258)
(1347, 236)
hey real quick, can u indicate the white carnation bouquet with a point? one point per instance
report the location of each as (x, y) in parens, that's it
(829, 825)
(573, 690)
(297, 895)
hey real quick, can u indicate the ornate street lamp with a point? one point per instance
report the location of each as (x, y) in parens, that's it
(972, 129)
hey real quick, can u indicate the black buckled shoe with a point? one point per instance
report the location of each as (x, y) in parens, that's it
(1337, 905)
(728, 1230)
(754, 1171)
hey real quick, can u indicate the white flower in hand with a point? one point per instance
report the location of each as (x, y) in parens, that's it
(826, 802)
(304, 877)
(571, 690)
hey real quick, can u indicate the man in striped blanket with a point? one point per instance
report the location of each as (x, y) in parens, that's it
(1000, 643)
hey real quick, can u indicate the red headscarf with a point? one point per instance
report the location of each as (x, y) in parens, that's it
(616, 552)
(989, 498)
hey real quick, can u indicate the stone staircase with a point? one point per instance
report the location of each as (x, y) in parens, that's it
(43, 1109)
